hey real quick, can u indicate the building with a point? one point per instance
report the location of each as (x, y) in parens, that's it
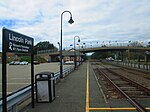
(67, 55)
(70, 54)
(9, 55)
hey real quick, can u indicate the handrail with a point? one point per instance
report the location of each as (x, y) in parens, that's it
(17, 97)
(22, 94)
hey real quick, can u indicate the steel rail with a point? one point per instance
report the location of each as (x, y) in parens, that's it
(129, 80)
(133, 102)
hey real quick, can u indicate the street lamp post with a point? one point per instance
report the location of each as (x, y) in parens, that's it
(79, 55)
(129, 51)
(59, 50)
(75, 59)
(58, 45)
(70, 21)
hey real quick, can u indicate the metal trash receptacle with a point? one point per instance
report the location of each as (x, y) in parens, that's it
(45, 87)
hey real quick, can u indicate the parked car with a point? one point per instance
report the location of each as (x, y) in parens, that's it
(17, 63)
(69, 62)
(11, 63)
(36, 62)
(24, 63)
(14, 63)
(109, 59)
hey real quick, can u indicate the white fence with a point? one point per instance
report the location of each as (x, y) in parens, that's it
(138, 65)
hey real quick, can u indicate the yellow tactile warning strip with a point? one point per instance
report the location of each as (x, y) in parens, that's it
(101, 109)
(87, 88)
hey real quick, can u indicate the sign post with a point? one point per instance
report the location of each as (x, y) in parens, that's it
(17, 43)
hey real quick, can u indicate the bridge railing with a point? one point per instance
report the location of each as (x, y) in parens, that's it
(47, 51)
(21, 95)
(125, 47)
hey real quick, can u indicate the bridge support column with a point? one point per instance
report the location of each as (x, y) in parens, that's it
(122, 56)
(129, 56)
(49, 59)
(139, 62)
(146, 60)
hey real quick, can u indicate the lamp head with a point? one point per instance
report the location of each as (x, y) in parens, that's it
(78, 40)
(71, 20)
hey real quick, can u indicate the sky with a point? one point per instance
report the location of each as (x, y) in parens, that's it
(95, 21)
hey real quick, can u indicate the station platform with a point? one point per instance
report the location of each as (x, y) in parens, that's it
(77, 92)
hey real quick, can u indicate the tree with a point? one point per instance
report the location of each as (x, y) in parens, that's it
(46, 45)
(148, 44)
(136, 44)
(102, 55)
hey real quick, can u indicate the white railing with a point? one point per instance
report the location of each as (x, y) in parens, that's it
(138, 65)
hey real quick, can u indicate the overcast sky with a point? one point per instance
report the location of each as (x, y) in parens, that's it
(94, 20)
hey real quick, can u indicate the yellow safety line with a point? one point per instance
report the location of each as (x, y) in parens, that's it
(112, 109)
(87, 89)
(147, 108)
(124, 108)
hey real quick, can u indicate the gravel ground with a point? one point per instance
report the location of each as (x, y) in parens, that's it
(115, 101)
(137, 76)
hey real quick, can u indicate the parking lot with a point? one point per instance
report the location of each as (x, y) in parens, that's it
(19, 76)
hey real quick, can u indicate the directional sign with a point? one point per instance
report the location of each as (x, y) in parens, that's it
(16, 42)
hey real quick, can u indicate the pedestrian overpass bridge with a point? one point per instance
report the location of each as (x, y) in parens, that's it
(102, 49)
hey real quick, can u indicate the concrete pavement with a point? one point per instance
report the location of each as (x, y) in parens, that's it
(71, 94)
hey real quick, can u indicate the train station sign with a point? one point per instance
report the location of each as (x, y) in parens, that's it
(16, 42)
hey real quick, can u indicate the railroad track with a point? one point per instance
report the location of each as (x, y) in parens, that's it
(124, 87)
(137, 72)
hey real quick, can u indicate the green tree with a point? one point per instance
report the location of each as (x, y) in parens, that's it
(102, 55)
(136, 44)
(46, 45)
(25, 58)
(148, 45)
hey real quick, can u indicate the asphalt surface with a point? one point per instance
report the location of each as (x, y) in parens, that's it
(71, 94)
(19, 76)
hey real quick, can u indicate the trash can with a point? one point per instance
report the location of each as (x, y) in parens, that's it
(45, 87)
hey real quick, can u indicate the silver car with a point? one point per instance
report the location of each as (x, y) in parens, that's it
(24, 63)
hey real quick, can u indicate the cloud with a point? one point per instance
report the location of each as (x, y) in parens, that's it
(95, 20)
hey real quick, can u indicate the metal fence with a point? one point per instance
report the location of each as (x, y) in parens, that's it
(23, 94)
(138, 65)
